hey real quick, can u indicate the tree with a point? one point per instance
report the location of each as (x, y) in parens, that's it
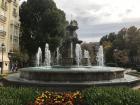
(111, 37)
(131, 40)
(41, 21)
(126, 42)
(121, 57)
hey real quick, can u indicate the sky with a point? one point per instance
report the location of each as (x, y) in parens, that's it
(97, 18)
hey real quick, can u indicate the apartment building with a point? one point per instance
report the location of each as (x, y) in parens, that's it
(9, 31)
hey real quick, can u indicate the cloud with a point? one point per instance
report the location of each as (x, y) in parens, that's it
(95, 32)
(99, 17)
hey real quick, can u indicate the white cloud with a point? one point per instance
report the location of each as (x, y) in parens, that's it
(107, 11)
(99, 17)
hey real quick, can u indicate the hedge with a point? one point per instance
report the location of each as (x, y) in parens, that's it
(17, 96)
(111, 96)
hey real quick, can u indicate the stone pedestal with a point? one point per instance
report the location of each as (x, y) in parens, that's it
(67, 61)
(72, 74)
(85, 61)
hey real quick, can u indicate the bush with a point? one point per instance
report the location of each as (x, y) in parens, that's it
(111, 96)
(17, 96)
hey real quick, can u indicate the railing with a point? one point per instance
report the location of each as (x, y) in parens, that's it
(4, 7)
(16, 23)
(2, 33)
(14, 14)
(2, 18)
(15, 3)
(9, 0)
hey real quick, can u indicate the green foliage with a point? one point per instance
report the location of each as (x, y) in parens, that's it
(20, 56)
(17, 96)
(111, 96)
(41, 21)
(126, 41)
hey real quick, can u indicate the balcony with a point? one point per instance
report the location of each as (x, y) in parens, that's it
(2, 18)
(15, 3)
(4, 7)
(16, 23)
(2, 33)
(9, 1)
(15, 14)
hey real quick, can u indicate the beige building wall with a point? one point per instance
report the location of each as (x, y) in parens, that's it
(9, 29)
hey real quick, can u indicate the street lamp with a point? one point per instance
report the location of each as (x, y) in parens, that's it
(10, 56)
(2, 45)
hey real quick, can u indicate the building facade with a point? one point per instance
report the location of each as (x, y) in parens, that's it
(9, 30)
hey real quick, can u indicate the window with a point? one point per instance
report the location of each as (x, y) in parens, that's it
(14, 2)
(5, 4)
(14, 12)
(2, 2)
(1, 27)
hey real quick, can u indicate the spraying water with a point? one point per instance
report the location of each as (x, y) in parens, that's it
(47, 61)
(78, 54)
(71, 46)
(100, 56)
(86, 55)
(58, 56)
(39, 57)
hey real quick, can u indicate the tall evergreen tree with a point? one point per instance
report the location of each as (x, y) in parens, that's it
(41, 22)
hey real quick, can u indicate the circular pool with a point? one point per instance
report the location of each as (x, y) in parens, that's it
(71, 73)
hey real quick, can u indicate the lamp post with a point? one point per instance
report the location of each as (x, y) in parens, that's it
(2, 45)
(10, 56)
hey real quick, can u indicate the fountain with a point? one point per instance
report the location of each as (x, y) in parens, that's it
(71, 46)
(87, 56)
(39, 57)
(57, 56)
(68, 75)
(47, 61)
(100, 56)
(78, 52)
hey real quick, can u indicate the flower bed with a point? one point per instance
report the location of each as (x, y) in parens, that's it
(53, 98)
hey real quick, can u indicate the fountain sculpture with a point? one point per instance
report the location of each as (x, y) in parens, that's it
(78, 52)
(87, 56)
(58, 55)
(39, 57)
(100, 56)
(47, 61)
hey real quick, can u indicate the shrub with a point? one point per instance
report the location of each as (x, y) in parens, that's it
(111, 96)
(17, 96)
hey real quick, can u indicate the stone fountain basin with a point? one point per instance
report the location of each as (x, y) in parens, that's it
(71, 73)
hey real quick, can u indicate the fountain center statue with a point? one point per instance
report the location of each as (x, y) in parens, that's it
(69, 45)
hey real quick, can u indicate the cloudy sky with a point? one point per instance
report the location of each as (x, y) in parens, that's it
(99, 17)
